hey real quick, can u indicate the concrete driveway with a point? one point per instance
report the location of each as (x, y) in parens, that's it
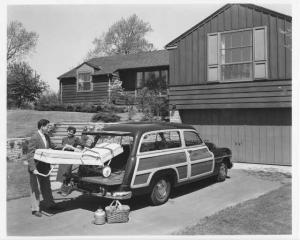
(187, 205)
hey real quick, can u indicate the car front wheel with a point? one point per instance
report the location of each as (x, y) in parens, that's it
(222, 172)
(161, 189)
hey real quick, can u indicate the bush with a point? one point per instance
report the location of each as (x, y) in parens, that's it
(108, 107)
(79, 107)
(105, 117)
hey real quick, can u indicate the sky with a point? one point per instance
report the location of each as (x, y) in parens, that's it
(66, 32)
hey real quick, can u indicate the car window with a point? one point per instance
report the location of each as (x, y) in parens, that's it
(148, 143)
(122, 140)
(192, 138)
(160, 141)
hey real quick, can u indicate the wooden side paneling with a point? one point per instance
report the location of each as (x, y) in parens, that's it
(270, 145)
(256, 18)
(206, 28)
(234, 143)
(263, 144)
(177, 67)
(227, 19)
(201, 61)
(273, 56)
(249, 18)
(286, 138)
(234, 17)
(182, 62)
(221, 18)
(255, 143)
(278, 157)
(252, 144)
(281, 49)
(172, 64)
(250, 116)
(195, 53)
(275, 92)
(249, 142)
(70, 94)
(288, 52)
(242, 18)
(189, 60)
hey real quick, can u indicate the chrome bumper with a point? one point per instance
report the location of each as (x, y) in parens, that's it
(114, 195)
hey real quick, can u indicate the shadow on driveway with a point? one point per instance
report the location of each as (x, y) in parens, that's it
(92, 203)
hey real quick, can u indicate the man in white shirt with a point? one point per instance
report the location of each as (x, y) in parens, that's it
(40, 184)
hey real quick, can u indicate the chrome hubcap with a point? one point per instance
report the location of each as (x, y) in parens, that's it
(161, 189)
(223, 171)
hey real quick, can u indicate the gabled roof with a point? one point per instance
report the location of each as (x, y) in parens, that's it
(111, 64)
(222, 9)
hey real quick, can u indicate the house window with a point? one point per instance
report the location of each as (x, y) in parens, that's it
(152, 79)
(237, 55)
(84, 82)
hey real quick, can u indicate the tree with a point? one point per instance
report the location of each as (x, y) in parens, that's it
(24, 85)
(123, 37)
(19, 41)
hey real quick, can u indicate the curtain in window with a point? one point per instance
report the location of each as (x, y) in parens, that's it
(84, 82)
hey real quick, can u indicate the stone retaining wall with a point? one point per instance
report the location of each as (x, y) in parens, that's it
(16, 148)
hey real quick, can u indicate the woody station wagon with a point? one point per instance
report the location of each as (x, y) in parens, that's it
(156, 157)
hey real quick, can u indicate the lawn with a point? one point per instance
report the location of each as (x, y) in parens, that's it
(17, 180)
(22, 123)
(268, 214)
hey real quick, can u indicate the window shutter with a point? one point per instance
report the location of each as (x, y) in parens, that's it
(212, 57)
(260, 53)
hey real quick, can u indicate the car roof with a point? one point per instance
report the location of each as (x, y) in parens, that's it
(142, 127)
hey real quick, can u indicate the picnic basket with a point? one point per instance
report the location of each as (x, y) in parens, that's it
(117, 213)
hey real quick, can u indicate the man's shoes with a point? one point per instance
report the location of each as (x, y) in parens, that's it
(37, 213)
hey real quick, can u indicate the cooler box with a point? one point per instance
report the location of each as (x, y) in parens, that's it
(98, 155)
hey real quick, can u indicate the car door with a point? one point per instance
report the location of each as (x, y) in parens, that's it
(200, 159)
(159, 150)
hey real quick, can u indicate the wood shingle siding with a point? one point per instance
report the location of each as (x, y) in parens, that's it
(233, 95)
(189, 59)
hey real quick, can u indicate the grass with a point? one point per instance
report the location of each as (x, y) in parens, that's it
(17, 180)
(268, 214)
(22, 123)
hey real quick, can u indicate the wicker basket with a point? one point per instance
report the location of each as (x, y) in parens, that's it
(117, 213)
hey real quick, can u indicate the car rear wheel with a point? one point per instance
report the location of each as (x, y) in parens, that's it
(160, 191)
(222, 172)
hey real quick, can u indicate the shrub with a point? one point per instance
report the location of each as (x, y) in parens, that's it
(109, 107)
(105, 117)
(69, 108)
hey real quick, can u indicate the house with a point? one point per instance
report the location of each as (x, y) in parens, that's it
(231, 77)
(89, 82)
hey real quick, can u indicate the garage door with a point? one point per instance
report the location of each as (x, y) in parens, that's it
(252, 144)
(254, 135)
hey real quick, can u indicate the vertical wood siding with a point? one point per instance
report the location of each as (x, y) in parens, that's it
(192, 49)
(252, 144)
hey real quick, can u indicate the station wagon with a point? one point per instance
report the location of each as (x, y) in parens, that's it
(156, 158)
